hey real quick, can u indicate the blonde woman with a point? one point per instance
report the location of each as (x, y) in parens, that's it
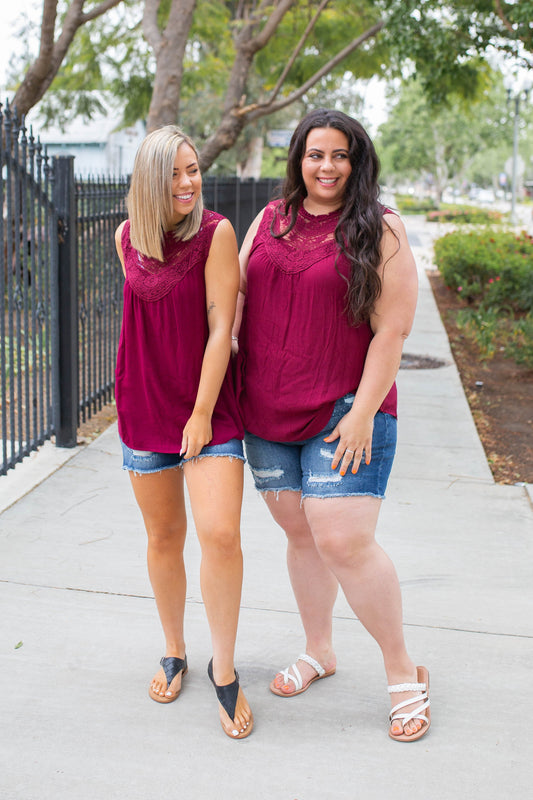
(177, 413)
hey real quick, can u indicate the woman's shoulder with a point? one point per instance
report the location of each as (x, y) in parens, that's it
(124, 226)
(211, 217)
(122, 229)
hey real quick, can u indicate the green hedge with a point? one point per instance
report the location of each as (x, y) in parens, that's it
(493, 273)
(490, 267)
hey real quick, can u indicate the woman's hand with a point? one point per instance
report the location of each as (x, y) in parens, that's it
(196, 434)
(354, 433)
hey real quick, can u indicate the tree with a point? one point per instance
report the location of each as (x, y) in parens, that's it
(444, 42)
(253, 35)
(52, 50)
(448, 144)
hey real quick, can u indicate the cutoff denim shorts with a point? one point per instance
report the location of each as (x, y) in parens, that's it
(144, 461)
(305, 466)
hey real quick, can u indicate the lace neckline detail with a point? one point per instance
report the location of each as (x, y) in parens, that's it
(320, 217)
(151, 279)
(312, 239)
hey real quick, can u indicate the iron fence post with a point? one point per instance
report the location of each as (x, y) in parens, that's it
(66, 421)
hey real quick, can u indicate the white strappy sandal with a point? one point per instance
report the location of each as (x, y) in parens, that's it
(293, 674)
(421, 712)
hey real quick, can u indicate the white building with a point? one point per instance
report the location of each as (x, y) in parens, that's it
(98, 145)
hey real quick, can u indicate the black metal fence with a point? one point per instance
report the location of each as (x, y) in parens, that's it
(239, 201)
(100, 209)
(61, 284)
(28, 322)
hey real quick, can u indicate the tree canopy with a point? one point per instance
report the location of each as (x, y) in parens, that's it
(225, 65)
(455, 145)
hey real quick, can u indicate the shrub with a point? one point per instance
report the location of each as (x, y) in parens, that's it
(493, 269)
(493, 273)
(520, 343)
(464, 214)
(408, 204)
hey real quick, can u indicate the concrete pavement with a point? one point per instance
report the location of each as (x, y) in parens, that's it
(81, 639)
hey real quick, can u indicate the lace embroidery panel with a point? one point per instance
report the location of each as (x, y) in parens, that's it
(311, 240)
(151, 279)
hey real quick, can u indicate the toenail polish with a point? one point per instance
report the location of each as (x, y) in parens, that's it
(235, 733)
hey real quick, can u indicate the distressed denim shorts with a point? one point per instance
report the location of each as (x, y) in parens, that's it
(306, 466)
(144, 461)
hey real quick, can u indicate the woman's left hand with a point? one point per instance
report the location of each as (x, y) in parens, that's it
(196, 434)
(355, 438)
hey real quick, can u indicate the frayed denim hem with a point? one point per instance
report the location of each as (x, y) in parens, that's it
(342, 494)
(194, 459)
(150, 471)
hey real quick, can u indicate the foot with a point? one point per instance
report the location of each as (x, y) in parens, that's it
(290, 681)
(405, 728)
(160, 689)
(242, 723)
(237, 727)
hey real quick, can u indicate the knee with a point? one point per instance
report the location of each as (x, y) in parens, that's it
(222, 541)
(340, 551)
(165, 538)
(299, 536)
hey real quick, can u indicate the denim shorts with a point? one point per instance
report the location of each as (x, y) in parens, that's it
(305, 466)
(144, 461)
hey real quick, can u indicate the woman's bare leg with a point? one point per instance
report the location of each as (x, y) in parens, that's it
(314, 586)
(161, 501)
(344, 532)
(215, 486)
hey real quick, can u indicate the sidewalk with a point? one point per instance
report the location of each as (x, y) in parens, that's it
(77, 722)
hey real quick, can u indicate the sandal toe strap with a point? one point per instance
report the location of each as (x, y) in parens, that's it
(296, 678)
(416, 713)
(226, 695)
(171, 666)
(293, 674)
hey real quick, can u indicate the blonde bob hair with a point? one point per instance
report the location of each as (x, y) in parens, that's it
(149, 201)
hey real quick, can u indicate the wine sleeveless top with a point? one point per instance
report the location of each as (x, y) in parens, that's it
(162, 343)
(298, 351)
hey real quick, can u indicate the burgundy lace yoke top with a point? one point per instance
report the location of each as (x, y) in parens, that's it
(298, 352)
(162, 343)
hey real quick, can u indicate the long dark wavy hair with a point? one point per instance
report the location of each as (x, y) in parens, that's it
(360, 227)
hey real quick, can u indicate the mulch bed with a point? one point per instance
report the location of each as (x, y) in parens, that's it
(500, 394)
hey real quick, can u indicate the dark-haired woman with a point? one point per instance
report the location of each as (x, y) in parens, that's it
(329, 289)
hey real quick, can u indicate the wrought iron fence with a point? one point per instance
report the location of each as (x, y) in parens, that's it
(238, 200)
(100, 209)
(61, 284)
(28, 341)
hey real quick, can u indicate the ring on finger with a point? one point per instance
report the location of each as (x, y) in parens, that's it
(350, 451)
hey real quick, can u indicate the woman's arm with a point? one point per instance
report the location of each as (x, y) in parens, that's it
(244, 255)
(391, 324)
(118, 245)
(221, 287)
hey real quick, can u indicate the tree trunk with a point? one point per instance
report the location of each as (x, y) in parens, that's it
(250, 165)
(236, 113)
(169, 50)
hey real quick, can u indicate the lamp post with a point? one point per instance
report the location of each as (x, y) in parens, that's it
(515, 92)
